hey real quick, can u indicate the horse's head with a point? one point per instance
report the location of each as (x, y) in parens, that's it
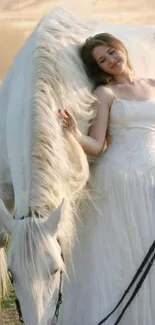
(35, 262)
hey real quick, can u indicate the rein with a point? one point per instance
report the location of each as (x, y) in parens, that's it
(150, 257)
(59, 299)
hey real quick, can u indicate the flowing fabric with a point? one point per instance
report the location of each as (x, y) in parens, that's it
(118, 226)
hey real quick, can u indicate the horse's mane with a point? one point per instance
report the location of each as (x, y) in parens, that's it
(59, 167)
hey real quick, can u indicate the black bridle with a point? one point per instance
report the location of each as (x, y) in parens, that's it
(57, 308)
(59, 299)
(59, 302)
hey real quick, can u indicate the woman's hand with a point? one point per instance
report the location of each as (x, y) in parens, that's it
(69, 122)
(92, 144)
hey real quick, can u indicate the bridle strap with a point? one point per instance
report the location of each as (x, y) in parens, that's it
(19, 311)
(139, 284)
(59, 302)
(17, 303)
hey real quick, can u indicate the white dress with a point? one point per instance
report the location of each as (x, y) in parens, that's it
(119, 226)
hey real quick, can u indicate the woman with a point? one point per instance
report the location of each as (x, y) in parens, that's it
(123, 201)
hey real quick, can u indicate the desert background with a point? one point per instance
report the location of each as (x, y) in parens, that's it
(19, 17)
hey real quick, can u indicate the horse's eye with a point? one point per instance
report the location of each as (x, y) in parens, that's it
(54, 272)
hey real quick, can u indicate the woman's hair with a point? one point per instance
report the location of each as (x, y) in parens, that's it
(98, 75)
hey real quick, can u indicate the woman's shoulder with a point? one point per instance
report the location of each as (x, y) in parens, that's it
(104, 92)
(104, 95)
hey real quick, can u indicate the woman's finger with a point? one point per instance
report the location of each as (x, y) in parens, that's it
(60, 112)
(63, 114)
(65, 122)
(65, 126)
(66, 112)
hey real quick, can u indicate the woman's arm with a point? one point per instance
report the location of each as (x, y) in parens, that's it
(93, 143)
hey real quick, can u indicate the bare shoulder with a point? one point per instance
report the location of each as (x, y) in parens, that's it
(103, 91)
(104, 95)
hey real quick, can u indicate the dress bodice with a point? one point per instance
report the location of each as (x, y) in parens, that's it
(131, 132)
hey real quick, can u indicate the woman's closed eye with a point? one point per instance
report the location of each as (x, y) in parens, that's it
(102, 60)
(111, 52)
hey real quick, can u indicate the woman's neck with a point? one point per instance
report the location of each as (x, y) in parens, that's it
(127, 77)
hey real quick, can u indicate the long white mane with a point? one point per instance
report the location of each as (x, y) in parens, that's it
(56, 166)
(59, 167)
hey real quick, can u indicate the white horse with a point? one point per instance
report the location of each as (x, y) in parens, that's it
(40, 164)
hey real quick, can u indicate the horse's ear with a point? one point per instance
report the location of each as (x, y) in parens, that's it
(5, 218)
(54, 219)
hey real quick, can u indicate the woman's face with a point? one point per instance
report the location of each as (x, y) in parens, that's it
(109, 59)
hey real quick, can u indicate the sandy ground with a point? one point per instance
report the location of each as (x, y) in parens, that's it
(19, 17)
(9, 317)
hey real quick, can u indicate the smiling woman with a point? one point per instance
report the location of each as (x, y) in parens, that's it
(104, 55)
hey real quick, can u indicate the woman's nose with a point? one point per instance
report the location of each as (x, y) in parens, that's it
(111, 60)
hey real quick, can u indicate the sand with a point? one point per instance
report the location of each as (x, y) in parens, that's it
(19, 17)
